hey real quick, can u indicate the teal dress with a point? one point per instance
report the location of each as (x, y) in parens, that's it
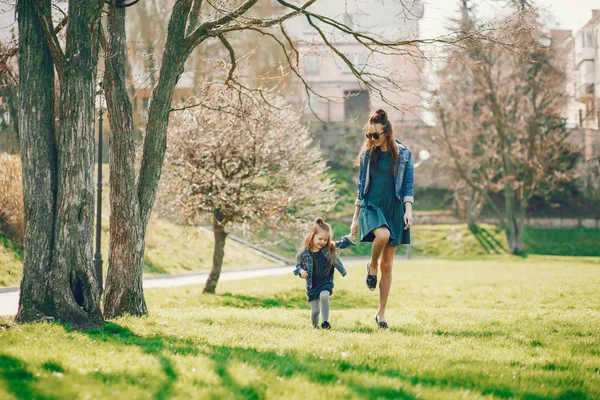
(381, 207)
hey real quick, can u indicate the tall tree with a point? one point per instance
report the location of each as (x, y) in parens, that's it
(58, 275)
(242, 173)
(512, 118)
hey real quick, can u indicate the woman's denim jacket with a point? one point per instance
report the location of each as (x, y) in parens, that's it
(305, 260)
(405, 178)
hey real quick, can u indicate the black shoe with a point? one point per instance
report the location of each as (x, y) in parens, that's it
(325, 325)
(371, 279)
(382, 325)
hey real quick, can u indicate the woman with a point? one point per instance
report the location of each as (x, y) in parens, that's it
(383, 202)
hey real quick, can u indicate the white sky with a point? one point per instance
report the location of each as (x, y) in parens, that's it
(563, 14)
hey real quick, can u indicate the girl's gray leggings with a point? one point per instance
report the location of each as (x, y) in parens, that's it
(314, 308)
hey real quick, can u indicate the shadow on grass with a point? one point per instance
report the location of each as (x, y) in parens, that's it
(314, 369)
(338, 373)
(18, 380)
(159, 346)
(368, 379)
(294, 299)
(489, 243)
(286, 365)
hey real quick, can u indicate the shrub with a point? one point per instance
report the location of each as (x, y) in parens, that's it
(11, 197)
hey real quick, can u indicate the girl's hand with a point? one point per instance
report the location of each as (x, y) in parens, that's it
(303, 274)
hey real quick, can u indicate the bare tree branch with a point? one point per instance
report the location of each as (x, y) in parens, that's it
(58, 56)
(231, 56)
(193, 17)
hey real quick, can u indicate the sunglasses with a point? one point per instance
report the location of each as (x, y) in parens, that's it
(374, 135)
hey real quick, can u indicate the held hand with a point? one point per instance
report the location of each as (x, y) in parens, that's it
(354, 229)
(303, 273)
(408, 220)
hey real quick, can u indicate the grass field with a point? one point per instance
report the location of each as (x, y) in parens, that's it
(11, 262)
(474, 328)
(458, 241)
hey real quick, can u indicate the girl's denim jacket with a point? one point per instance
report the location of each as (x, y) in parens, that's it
(305, 260)
(405, 177)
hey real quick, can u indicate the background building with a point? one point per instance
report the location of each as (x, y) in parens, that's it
(345, 98)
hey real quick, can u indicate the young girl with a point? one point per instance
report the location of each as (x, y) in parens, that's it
(316, 260)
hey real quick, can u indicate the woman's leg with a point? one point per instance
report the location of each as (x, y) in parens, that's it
(314, 312)
(382, 236)
(387, 260)
(324, 296)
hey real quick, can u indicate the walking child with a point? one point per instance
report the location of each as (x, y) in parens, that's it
(317, 259)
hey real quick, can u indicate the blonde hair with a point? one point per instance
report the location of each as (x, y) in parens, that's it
(319, 226)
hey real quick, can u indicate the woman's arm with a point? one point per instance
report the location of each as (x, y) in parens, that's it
(407, 215)
(354, 226)
(408, 191)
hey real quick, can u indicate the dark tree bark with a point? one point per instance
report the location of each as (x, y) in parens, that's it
(38, 157)
(131, 204)
(124, 291)
(66, 288)
(218, 253)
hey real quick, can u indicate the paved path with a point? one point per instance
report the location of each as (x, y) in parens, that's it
(9, 296)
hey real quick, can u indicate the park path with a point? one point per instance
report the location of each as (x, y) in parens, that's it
(9, 296)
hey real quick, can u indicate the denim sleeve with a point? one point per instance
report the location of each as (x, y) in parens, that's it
(341, 268)
(407, 190)
(345, 242)
(361, 166)
(298, 266)
(297, 270)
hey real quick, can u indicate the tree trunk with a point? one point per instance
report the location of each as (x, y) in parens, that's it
(520, 228)
(131, 204)
(73, 294)
(514, 232)
(469, 212)
(124, 292)
(38, 157)
(218, 254)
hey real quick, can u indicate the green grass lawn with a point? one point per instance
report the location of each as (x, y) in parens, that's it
(475, 328)
(458, 241)
(429, 240)
(11, 262)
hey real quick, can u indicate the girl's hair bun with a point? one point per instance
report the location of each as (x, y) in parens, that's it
(319, 221)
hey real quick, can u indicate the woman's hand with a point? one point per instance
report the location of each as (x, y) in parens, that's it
(354, 228)
(303, 273)
(408, 220)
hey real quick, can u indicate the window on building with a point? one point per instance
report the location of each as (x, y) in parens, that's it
(356, 104)
(358, 60)
(306, 27)
(361, 21)
(347, 20)
(311, 65)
